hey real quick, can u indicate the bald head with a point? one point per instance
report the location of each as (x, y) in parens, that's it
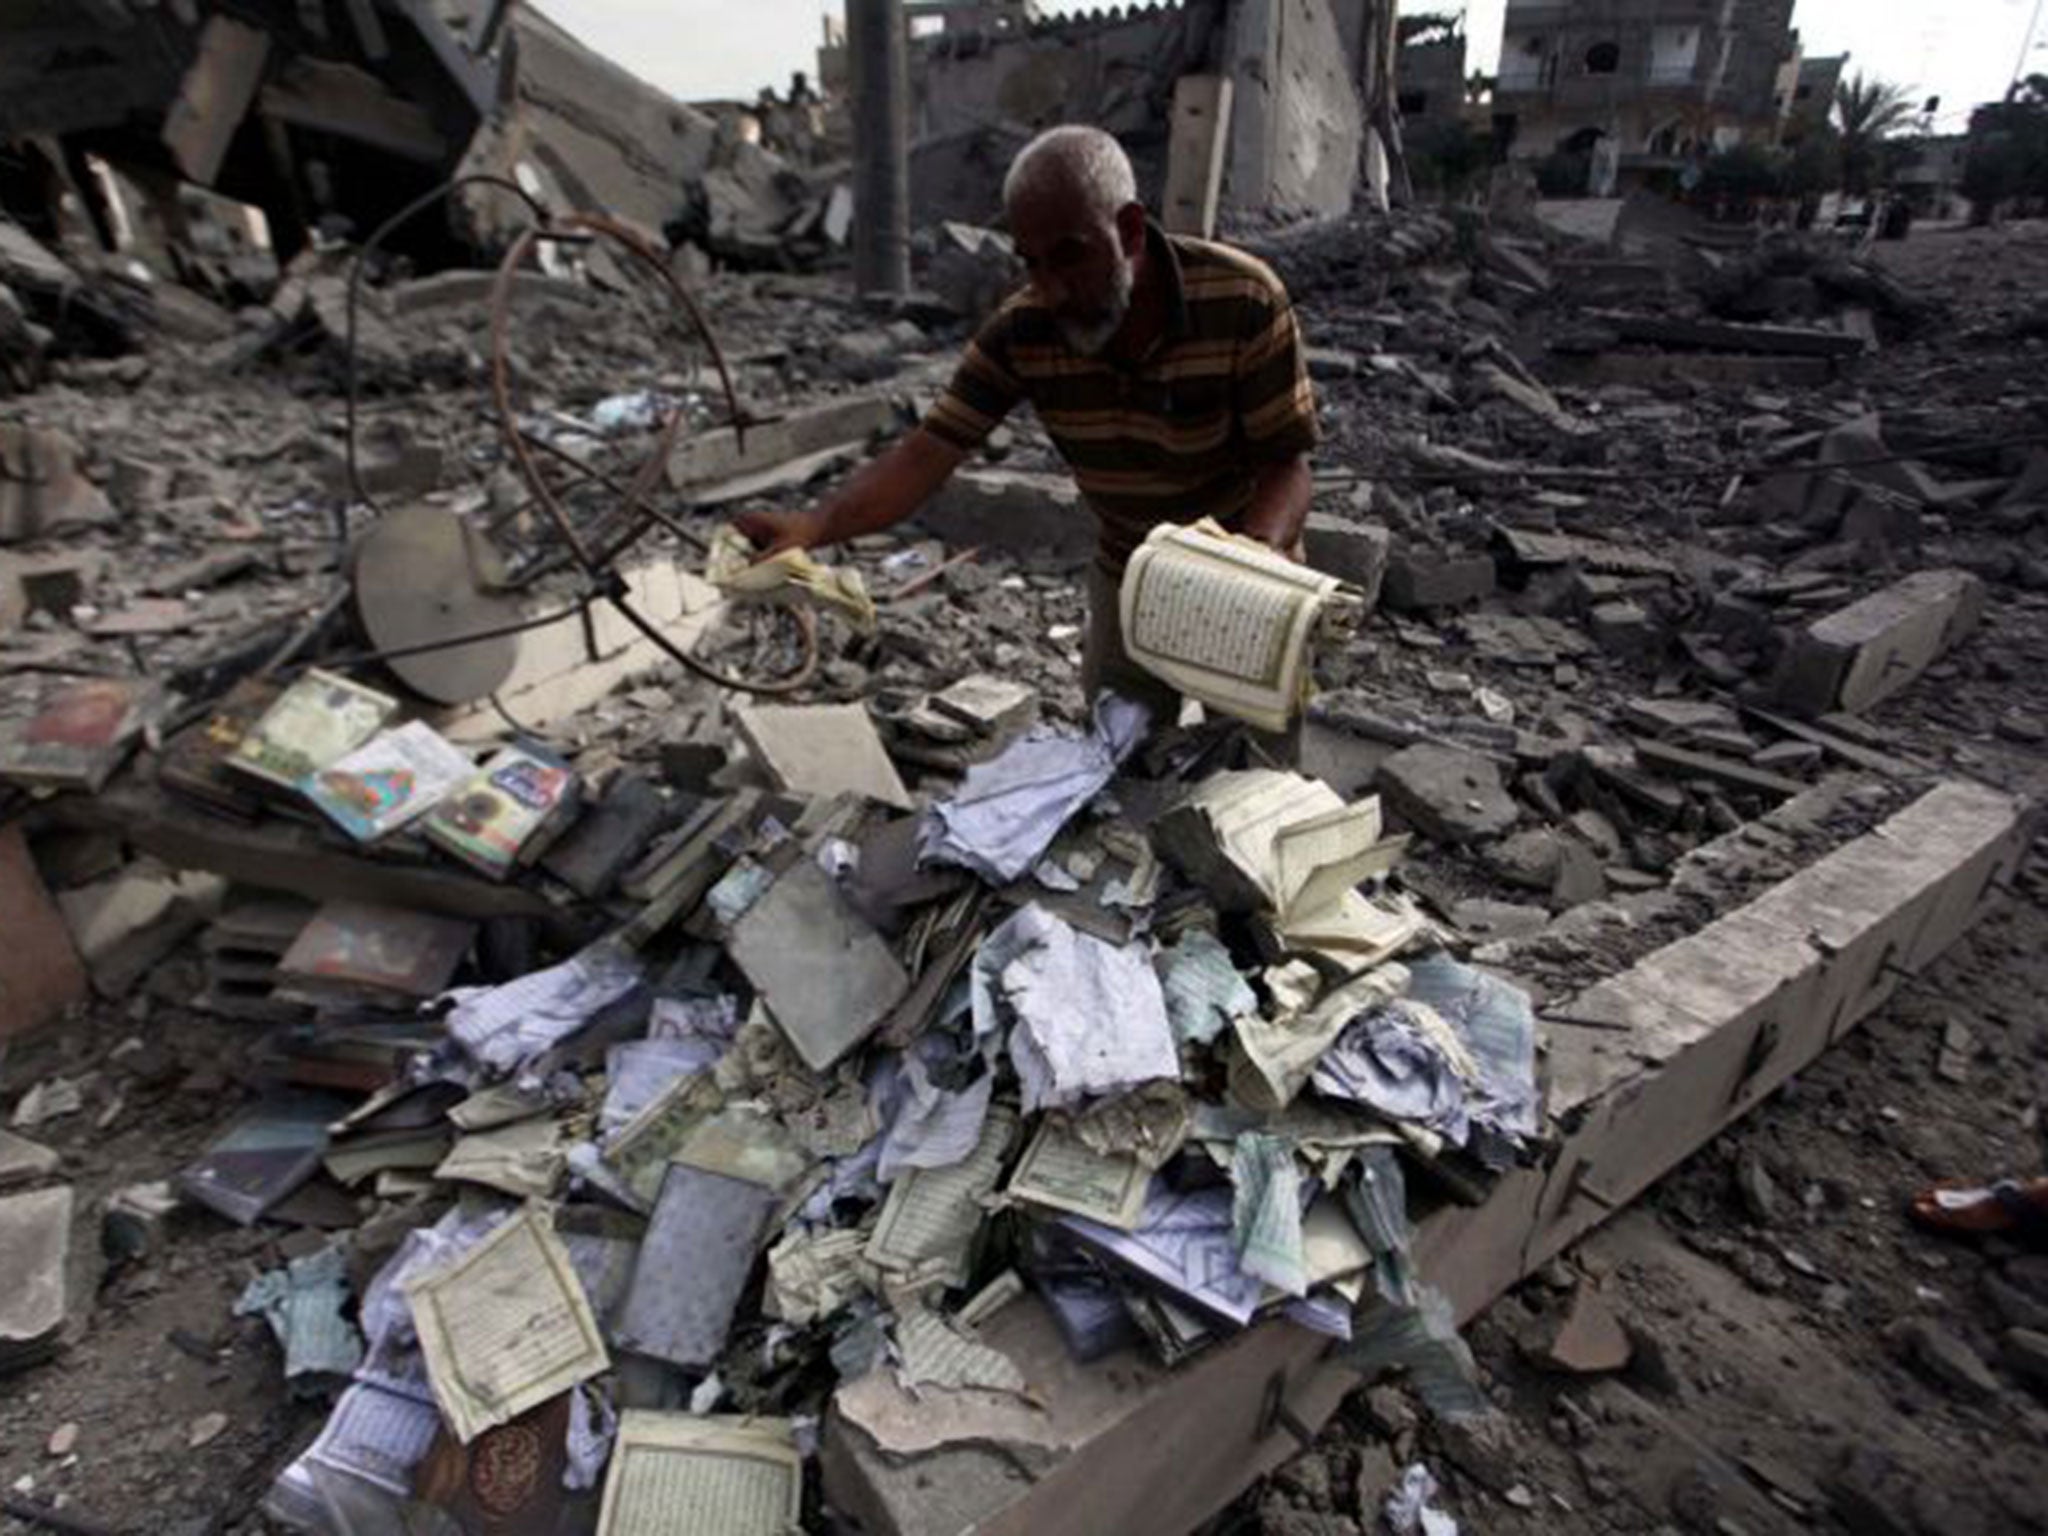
(1072, 205)
(1073, 163)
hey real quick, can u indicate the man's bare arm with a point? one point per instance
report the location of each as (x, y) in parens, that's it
(882, 494)
(1279, 504)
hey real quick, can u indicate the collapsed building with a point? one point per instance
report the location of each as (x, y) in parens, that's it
(455, 908)
(1636, 86)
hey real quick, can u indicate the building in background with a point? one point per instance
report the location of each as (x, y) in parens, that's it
(1637, 87)
(1813, 94)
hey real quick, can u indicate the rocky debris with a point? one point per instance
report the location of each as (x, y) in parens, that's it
(1587, 1339)
(1446, 793)
(1945, 1358)
(972, 269)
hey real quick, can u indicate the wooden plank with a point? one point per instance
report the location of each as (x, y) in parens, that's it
(1721, 336)
(342, 100)
(1679, 763)
(214, 97)
(282, 855)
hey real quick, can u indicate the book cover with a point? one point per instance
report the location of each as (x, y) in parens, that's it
(352, 948)
(79, 737)
(492, 818)
(263, 1157)
(391, 780)
(195, 761)
(319, 719)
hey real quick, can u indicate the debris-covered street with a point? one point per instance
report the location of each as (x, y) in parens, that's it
(558, 973)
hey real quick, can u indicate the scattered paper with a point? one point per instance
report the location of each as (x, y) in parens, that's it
(933, 1353)
(1204, 992)
(929, 1222)
(389, 781)
(811, 1275)
(1265, 1213)
(1089, 1016)
(1496, 1024)
(1184, 1244)
(1150, 1123)
(1060, 1172)
(1408, 1510)
(524, 1159)
(303, 1303)
(672, 1473)
(1008, 810)
(507, 1026)
(795, 574)
(1275, 1057)
(504, 1327)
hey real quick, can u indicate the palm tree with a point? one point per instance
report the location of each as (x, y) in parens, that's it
(1867, 111)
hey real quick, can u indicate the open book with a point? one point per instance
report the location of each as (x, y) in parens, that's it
(1226, 620)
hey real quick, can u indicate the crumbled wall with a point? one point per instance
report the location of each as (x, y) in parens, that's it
(1297, 123)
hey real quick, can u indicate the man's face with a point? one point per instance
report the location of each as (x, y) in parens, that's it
(1080, 264)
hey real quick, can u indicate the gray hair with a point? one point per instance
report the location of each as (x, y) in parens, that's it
(1075, 158)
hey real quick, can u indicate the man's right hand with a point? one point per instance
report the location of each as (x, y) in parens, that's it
(772, 532)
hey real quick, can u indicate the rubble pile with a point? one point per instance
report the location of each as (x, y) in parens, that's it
(670, 1059)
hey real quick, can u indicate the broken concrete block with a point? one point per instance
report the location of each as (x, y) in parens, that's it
(1418, 580)
(822, 750)
(52, 583)
(1447, 794)
(42, 490)
(973, 270)
(1352, 552)
(35, 1253)
(1014, 512)
(1861, 655)
(827, 977)
(1623, 628)
(1587, 1341)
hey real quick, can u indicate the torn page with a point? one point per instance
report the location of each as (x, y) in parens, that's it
(811, 1275)
(1059, 1172)
(505, 1027)
(1008, 810)
(1265, 1213)
(1403, 1061)
(1496, 1023)
(933, 1353)
(1319, 858)
(637, 1072)
(673, 1473)
(505, 1327)
(357, 1475)
(303, 1303)
(1150, 1123)
(1204, 992)
(1183, 1244)
(741, 574)
(1274, 1057)
(1090, 1018)
(524, 1159)
(933, 1127)
(930, 1220)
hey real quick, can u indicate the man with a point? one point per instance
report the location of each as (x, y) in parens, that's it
(1167, 371)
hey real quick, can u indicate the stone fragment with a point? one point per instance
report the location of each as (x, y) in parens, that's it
(1419, 580)
(2025, 1353)
(63, 1439)
(1622, 628)
(1861, 655)
(1946, 1359)
(1529, 859)
(1353, 552)
(1588, 1341)
(1789, 757)
(42, 490)
(1489, 921)
(206, 1429)
(1447, 794)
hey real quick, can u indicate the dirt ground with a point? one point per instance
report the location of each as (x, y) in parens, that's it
(1802, 1358)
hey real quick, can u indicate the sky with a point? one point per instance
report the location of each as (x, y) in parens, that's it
(1960, 50)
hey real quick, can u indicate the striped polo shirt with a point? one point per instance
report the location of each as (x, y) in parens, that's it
(1180, 436)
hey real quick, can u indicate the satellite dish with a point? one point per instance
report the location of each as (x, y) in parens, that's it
(415, 579)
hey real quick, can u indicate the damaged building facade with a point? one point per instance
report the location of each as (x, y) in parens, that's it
(1637, 86)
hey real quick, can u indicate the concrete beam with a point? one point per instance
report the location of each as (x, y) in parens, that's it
(1198, 139)
(1861, 655)
(214, 97)
(1645, 1068)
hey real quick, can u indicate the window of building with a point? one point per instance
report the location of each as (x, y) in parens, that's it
(1603, 58)
(1412, 103)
